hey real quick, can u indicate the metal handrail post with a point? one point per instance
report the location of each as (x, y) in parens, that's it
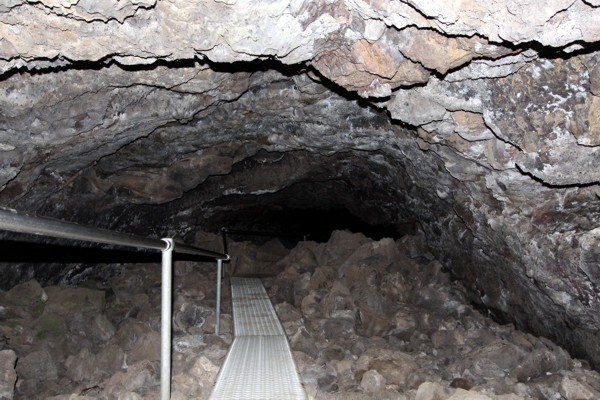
(218, 322)
(165, 335)
(224, 235)
(225, 251)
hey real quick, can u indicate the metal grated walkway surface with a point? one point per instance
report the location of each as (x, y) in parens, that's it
(260, 364)
(253, 313)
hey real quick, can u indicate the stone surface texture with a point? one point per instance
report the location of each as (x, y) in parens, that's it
(449, 351)
(480, 121)
(8, 359)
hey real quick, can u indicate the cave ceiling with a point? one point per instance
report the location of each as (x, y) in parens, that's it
(479, 120)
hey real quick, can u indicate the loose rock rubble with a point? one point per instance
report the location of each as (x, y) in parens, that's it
(380, 319)
(482, 114)
(103, 341)
(365, 319)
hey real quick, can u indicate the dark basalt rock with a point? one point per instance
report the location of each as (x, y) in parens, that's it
(474, 124)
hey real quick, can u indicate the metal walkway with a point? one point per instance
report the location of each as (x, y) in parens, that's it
(260, 364)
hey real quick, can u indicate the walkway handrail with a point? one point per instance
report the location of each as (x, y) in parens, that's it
(15, 221)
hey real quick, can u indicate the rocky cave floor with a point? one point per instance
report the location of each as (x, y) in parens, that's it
(366, 320)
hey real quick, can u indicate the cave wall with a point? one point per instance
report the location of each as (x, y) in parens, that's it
(480, 121)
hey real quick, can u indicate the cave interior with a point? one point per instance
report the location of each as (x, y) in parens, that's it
(476, 127)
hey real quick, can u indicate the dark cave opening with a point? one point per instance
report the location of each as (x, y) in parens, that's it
(60, 261)
(303, 224)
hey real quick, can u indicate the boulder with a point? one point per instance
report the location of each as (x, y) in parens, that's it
(304, 341)
(185, 386)
(110, 359)
(394, 286)
(144, 374)
(510, 396)
(128, 334)
(338, 303)
(8, 376)
(395, 366)
(49, 325)
(135, 279)
(345, 376)
(302, 258)
(37, 366)
(96, 328)
(539, 362)
(145, 348)
(214, 347)
(205, 370)
(191, 314)
(339, 247)
(571, 389)
(211, 320)
(74, 303)
(287, 313)
(368, 296)
(310, 305)
(372, 323)
(377, 255)
(414, 246)
(81, 367)
(372, 382)
(324, 377)
(301, 288)
(431, 391)
(27, 294)
(462, 394)
(282, 289)
(454, 337)
(265, 259)
(405, 323)
(335, 328)
(302, 360)
(417, 377)
(323, 278)
(493, 359)
(129, 396)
